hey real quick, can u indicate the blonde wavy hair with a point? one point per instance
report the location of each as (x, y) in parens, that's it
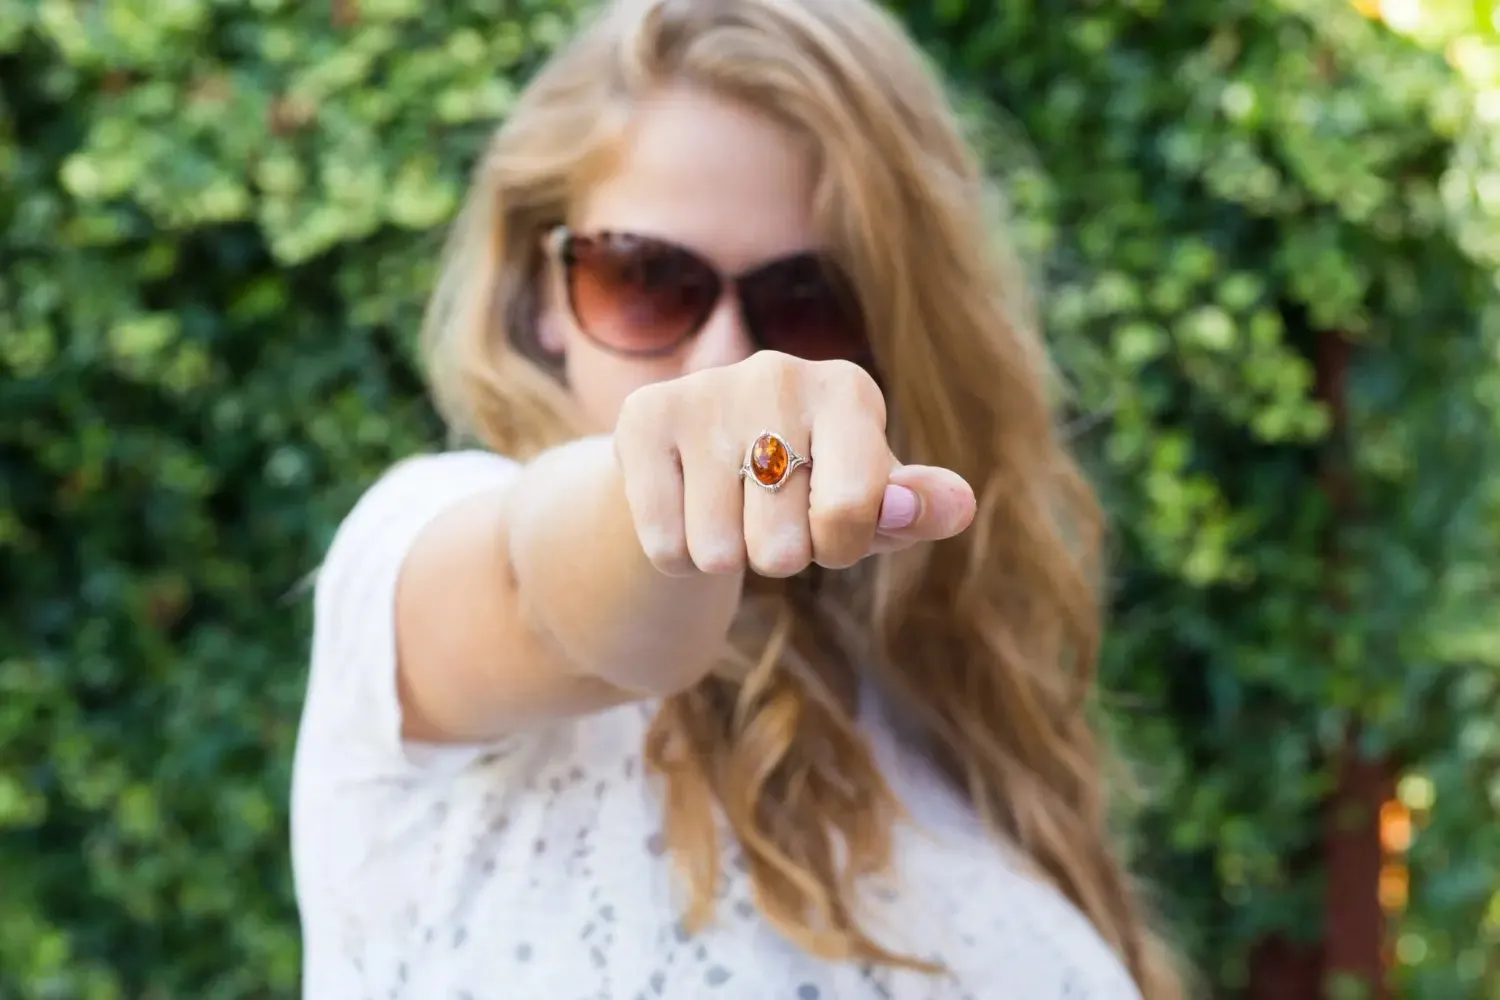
(988, 642)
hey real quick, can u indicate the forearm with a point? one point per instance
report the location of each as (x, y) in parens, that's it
(584, 583)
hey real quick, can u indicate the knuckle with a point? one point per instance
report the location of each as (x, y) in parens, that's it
(783, 554)
(719, 555)
(648, 406)
(666, 551)
(778, 566)
(773, 362)
(844, 381)
(843, 530)
(774, 369)
(840, 371)
(841, 557)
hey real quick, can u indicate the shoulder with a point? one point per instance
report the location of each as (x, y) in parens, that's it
(351, 709)
(355, 585)
(425, 485)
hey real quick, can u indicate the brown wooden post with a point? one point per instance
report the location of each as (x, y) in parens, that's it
(1354, 933)
(1281, 970)
(1356, 925)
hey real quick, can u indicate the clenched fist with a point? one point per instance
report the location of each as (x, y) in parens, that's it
(682, 444)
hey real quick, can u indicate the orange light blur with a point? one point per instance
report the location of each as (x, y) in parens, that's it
(1395, 827)
(1395, 887)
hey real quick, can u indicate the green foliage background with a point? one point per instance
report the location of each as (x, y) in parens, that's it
(218, 219)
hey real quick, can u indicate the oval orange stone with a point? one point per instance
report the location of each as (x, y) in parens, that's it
(769, 460)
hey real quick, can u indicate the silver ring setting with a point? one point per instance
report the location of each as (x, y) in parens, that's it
(770, 461)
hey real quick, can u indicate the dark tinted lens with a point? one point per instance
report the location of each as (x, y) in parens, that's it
(802, 306)
(637, 295)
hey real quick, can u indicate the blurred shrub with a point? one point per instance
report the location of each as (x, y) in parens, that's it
(217, 223)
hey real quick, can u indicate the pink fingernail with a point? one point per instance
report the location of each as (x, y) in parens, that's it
(898, 509)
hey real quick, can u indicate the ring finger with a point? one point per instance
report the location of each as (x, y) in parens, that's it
(778, 540)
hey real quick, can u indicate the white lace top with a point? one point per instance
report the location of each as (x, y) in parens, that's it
(535, 869)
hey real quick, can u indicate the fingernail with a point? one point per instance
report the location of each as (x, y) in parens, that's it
(898, 509)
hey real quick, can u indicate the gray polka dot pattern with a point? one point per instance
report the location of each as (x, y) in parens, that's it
(537, 869)
(522, 870)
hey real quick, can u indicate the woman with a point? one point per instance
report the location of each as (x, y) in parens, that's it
(641, 701)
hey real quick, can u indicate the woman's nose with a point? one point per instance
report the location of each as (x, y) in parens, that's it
(722, 341)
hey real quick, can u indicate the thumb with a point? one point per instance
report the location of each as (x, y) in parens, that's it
(925, 503)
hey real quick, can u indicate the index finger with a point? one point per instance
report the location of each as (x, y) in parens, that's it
(851, 463)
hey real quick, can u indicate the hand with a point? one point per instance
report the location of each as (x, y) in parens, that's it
(680, 445)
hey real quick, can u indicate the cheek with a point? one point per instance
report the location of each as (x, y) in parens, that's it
(599, 381)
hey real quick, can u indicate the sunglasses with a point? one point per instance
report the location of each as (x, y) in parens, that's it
(644, 297)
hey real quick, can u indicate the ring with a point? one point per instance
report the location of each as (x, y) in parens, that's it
(770, 462)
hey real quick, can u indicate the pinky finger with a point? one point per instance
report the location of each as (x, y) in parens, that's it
(885, 544)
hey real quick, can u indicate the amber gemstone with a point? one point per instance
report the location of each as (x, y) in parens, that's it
(769, 460)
